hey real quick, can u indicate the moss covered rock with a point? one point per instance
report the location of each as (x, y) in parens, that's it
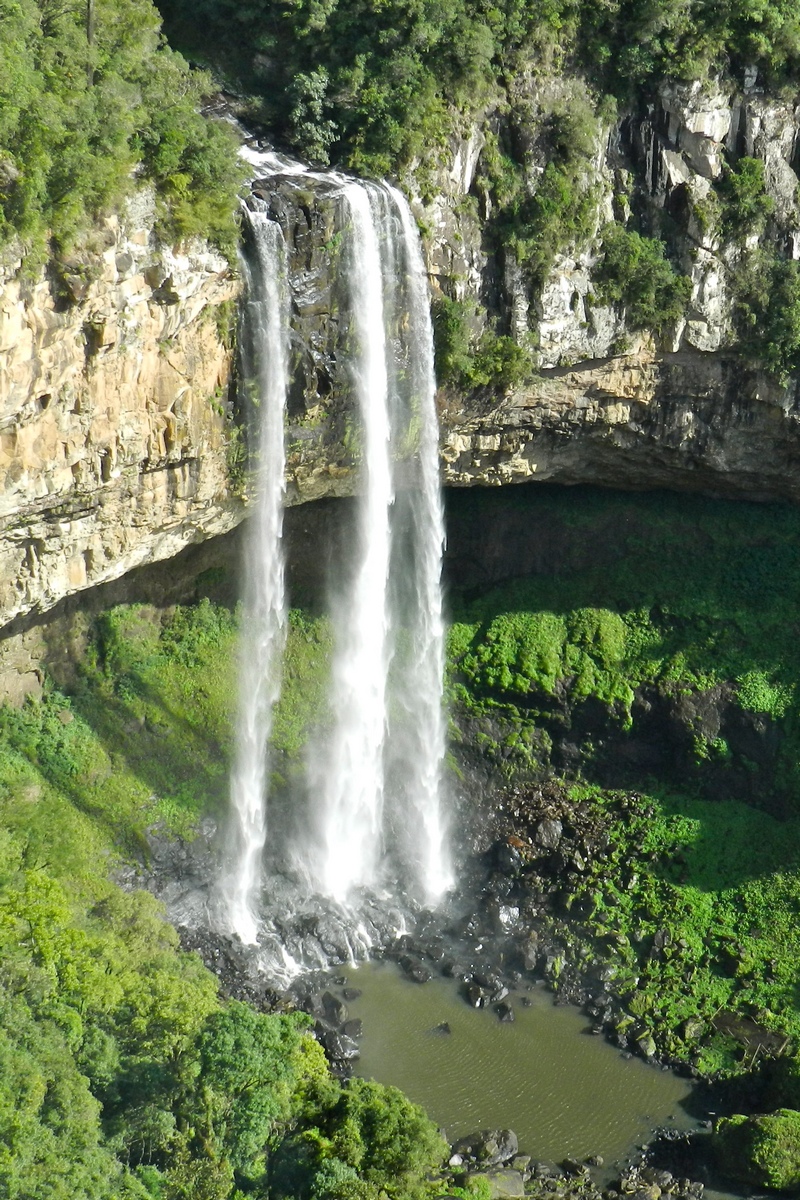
(763, 1150)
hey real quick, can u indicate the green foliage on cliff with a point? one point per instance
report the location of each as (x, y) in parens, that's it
(375, 86)
(767, 311)
(93, 102)
(634, 41)
(463, 360)
(635, 272)
(744, 200)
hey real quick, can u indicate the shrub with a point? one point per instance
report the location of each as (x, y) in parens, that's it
(745, 203)
(767, 312)
(496, 361)
(85, 103)
(634, 271)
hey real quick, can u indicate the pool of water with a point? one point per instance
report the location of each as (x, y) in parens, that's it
(563, 1090)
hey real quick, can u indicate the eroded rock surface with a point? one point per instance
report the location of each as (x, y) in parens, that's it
(113, 436)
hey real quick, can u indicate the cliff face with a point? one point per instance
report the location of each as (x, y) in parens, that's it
(115, 446)
(113, 368)
(608, 404)
(611, 405)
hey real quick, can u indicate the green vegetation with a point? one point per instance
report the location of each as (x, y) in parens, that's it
(132, 1079)
(718, 884)
(634, 271)
(377, 86)
(490, 360)
(694, 902)
(121, 1073)
(767, 311)
(762, 1150)
(93, 103)
(535, 223)
(744, 200)
(682, 601)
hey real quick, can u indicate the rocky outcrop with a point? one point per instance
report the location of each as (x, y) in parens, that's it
(607, 406)
(113, 434)
(688, 421)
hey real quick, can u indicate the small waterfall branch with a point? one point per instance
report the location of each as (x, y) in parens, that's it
(422, 674)
(265, 351)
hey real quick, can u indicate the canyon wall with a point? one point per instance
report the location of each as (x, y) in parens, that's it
(117, 443)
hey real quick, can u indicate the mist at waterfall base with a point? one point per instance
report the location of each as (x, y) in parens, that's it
(362, 846)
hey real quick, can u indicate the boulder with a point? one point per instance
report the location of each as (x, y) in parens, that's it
(335, 1009)
(490, 1147)
(504, 1183)
(548, 833)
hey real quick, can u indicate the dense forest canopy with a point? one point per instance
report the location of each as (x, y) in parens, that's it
(92, 99)
(372, 84)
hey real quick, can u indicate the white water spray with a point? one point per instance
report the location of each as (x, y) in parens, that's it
(264, 616)
(348, 775)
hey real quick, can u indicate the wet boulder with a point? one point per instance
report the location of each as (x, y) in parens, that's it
(489, 1147)
(335, 1009)
(476, 996)
(339, 1047)
(505, 858)
(505, 1013)
(548, 833)
(413, 969)
(312, 1004)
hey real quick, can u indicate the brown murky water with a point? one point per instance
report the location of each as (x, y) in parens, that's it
(564, 1091)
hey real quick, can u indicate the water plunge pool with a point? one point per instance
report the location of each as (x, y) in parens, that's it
(564, 1091)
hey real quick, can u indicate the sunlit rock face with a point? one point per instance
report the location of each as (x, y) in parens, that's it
(113, 376)
(114, 440)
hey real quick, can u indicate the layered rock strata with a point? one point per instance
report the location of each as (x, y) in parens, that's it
(113, 436)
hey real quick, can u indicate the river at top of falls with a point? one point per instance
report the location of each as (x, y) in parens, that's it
(375, 816)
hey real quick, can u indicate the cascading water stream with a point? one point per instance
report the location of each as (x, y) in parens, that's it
(388, 717)
(375, 777)
(348, 774)
(264, 617)
(420, 676)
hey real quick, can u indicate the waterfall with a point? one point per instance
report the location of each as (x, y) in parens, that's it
(374, 776)
(347, 775)
(386, 747)
(265, 355)
(422, 732)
